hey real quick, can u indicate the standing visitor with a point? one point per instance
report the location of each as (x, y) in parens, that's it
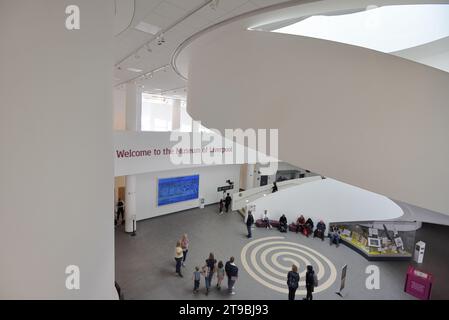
(120, 210)
(220, 209)
(210, 269)
(196, 279)
(275, 188)
(220, 274)
(232, 272)
(311, 282)
(178, 258)
(249, 224)
(228, 201)
(185, 248)
(292, 282)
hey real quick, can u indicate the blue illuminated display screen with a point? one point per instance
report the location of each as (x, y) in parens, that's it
(172, 190)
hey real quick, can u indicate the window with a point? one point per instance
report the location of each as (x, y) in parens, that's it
(156, 113)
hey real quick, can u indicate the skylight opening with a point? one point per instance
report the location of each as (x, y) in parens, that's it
(386, 29)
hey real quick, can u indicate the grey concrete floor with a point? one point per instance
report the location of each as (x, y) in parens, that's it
(145, 264)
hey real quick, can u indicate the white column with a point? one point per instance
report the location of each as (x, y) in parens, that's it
(133, 123)
(176, 115)
(248, 180)
(56, 214)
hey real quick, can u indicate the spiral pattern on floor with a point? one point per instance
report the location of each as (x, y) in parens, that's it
(269, 259)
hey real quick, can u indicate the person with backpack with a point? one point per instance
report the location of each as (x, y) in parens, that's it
(311, 282)
(292, 282)
(249, 224)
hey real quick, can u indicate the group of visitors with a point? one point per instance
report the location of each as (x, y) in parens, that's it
(306, 227)
(293, 282)
(211, 268)
(208, 270)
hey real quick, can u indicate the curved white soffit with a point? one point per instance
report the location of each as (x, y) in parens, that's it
(386, 29)
(329, 200)
(288, 10)
(360, 116)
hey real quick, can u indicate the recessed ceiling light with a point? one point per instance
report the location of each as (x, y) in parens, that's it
(134, 70)
(147, 28)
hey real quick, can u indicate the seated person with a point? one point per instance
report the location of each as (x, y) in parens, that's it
(300, 224)
(266, 220)
(308, 227)
(283, 223)
(334, 235)
(320, 229)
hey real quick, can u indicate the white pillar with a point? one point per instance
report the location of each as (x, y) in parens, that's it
(133, 123)
(176, 115)
(133, 107)
(249, 176)
(56, 214)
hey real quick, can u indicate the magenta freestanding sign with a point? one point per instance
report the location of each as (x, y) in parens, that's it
(418, 283)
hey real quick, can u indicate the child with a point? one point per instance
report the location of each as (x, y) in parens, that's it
(196, 279)
(221, 206)
(220, 274)
(206, 272)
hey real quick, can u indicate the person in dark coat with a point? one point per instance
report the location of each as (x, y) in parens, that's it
(232, 273)
(283, 223)
(320, 230)
(309, 227)
(311, 282)
(228, 201)
(275, 188)
(120, 211)
(292, 282)
(249, 223)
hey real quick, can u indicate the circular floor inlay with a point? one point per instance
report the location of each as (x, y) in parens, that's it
(269, 259)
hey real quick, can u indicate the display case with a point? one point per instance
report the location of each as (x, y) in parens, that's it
(378, 240)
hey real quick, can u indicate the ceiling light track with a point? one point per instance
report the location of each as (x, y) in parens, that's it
(146, 75)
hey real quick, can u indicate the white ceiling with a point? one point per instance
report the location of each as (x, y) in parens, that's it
(165, 13)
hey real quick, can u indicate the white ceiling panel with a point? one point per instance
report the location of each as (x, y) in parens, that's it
(170, 11)
(187, 4)
(266, 3)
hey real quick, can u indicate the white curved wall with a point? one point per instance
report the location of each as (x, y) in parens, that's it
(328, 200)
(369, 119)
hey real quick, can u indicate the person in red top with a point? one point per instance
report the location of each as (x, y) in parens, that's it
(300, 224)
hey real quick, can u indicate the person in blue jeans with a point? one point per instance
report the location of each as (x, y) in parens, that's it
(209, 270)
(232, 273)
(196, 279)
(334, 236)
